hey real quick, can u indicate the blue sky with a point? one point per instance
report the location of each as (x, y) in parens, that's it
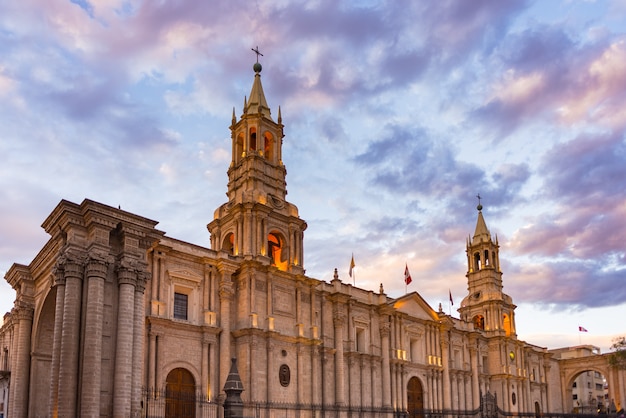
(397, 114)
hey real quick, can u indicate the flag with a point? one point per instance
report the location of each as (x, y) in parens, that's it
(351, 266)
(582, 329)
(407, 275)
(451, 301)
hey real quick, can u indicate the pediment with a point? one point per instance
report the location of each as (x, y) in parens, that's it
(415, 306)
(185, 275)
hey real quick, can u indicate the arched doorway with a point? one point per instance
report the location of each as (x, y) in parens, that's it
(415, 398)
(180, 393)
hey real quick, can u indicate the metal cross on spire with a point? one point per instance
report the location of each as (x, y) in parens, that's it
(479, 207)
(256, 51)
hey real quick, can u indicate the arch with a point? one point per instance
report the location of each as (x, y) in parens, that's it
(486, 262)
(268, 146)
(277, 250)
(537, 410)
(42, 355)
(506, 324)
(476, 261)
(228, 244)
(479, 322)
(572, 368)
(415, 398)
(180, 394)
(239, 150)
(252, 146)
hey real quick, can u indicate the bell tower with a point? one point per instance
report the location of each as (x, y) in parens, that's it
(257, 223)
(490, 310)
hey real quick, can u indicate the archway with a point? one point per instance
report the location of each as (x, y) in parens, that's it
(180, 394)
(277, 251)
(228, 244)
(415, 398)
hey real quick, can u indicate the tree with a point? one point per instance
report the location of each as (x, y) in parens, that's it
(617, 359)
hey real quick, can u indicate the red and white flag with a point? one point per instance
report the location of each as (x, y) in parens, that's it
(582, 329)
(407, 275)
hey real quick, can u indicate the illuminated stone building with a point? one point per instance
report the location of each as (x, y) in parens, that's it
(111, 306)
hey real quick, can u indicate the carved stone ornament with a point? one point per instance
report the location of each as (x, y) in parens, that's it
(284, 375)
(276, 202)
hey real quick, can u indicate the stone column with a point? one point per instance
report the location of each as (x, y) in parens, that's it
(385, 369)
(68, 367)
(139, 328)
(300, 371)
(226, 297)
(152, 384)
(315, 375)
(338, 321)
(213, 370)
(20, 374)
(56, 342)
(204, 364)
(546, 374)
(271, 370)
(92, 351)
(475, 372)
(122, 378)
(445, 360)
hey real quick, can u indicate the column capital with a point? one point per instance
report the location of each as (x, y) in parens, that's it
(385, 329)
(97, 267)
(339, 319)
(142, 279)
(23, 313)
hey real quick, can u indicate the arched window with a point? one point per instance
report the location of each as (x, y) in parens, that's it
(180, 394)
(252, 139)
(268, 146)
(277, 251)
(479, 322)
(476, 261)
(506, 324)
(239, 152)
(486, 261)
(228, 244)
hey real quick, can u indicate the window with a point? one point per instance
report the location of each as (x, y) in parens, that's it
(180, 306)
(574, 385)
(360, 340)
(575, 396)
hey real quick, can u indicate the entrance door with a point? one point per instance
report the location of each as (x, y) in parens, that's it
(415, 398)
(180, 392)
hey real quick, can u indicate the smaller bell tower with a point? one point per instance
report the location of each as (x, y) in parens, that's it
(490, 310)
(257, 223)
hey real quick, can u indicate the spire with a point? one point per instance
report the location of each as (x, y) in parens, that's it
(482, 232)
(257, 103)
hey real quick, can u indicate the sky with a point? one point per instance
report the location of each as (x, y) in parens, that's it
(397, 115)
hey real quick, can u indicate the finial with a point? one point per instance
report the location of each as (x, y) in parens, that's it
(257, 66)
(280, 117)
(234, 117)
(479, 207)
(381, 290)
(336, 275)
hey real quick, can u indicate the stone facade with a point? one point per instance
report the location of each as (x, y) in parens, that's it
(111, 306)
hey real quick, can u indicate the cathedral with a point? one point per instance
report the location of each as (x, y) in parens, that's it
(113, 316)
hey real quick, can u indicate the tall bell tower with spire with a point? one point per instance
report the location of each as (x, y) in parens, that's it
(490, 309)
(257, 223)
